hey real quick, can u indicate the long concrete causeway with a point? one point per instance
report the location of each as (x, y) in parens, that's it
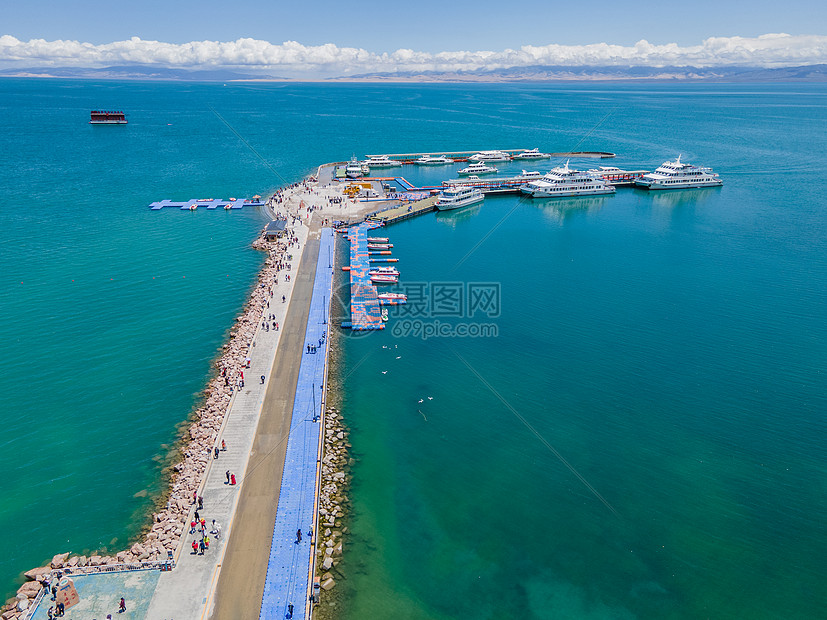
(256, 568)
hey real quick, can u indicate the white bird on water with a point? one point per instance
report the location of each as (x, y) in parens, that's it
(384, 372)
(421, 401)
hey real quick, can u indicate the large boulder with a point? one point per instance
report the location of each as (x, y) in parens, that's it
(328, 584)
(30, 589)
(38, 572)
(59, 560)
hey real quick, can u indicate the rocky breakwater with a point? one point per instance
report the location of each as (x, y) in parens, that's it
(202, 437)
(333, 502)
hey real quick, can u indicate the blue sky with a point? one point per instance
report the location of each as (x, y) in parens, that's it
(426, 26)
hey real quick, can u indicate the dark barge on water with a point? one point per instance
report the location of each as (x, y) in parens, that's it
(99, 117)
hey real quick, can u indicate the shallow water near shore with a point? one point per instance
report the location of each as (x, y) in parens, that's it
(669, 346)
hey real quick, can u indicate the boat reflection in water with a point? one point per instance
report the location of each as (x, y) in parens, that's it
(561, 209)
(679, 197)
(452, 218)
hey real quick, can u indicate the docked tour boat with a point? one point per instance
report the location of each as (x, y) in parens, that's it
(384, 271)
(380, 246)
(532, 155)
(384, 279)
(378, 239)
(616, 176)
(392, 298)
(565, 181)
(457, 196)
(484, 156)
(679, 175)
(381, 161)
(528, 175)
(477, 168)
(99, 117)
(353, 169)
(433, 160)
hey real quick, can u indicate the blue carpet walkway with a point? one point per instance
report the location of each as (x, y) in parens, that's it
(288, 572)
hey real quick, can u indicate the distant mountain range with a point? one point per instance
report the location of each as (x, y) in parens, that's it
(137, 72)
(539, 73)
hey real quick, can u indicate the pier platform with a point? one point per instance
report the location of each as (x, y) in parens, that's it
(204, 203)
(405, 211)
(99, 594)
(365, 313)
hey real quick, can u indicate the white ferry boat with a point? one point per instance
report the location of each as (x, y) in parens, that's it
(380, 161)
(392, 298)
(617, 176)
(528, 175)
(477, 168)
(532, 154)
(565, 181)
(679, 175)
(384, 279)
(433, 160)
(490, 156)
(353, 169)
(457, 196)
(384, 271)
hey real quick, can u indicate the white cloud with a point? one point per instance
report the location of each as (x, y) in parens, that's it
(769, 50)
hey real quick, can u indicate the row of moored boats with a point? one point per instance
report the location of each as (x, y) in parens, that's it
(564, 181)
(384, 275)
(356, 168)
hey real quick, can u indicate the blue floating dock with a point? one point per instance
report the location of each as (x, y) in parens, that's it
(204, 203)
(289, 578)
(365, 313)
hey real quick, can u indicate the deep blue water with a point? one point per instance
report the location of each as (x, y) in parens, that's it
(668, 347)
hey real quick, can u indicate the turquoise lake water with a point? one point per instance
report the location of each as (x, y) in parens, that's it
(643, 438)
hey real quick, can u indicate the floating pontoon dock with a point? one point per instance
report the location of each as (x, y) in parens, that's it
(206, 203)
(365, 313)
